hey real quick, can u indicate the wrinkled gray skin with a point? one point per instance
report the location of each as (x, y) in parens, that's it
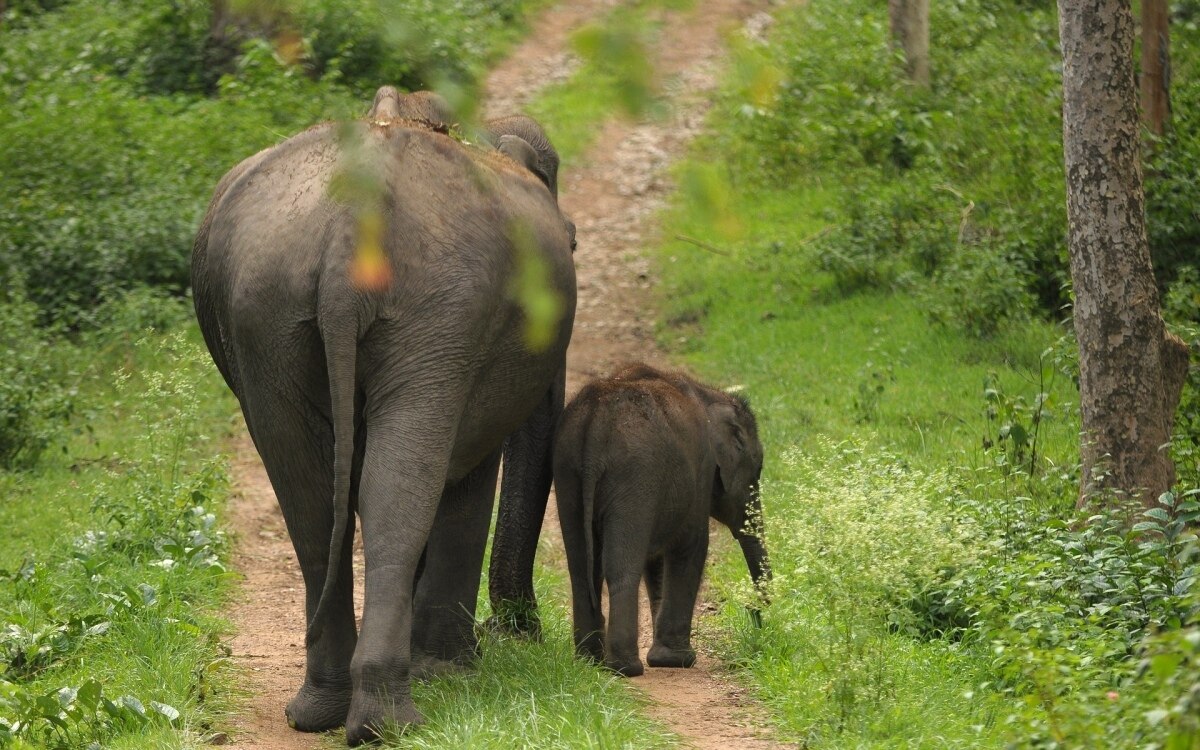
(394, 402)
(641, 461)
(527, 468)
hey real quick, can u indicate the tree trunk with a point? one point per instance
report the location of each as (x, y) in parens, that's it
(1156, 65)
(1131, 370)
(909, 20)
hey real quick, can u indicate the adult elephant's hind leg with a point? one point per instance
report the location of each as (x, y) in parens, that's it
(403, 475)
(297, 450)
(448, 587)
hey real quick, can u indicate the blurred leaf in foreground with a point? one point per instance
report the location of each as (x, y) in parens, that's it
(358, 183)
(620, 50)
(707, 189)
(532, 291)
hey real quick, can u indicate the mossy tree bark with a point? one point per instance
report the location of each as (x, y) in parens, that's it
(1156, 65)
(1131, 369)
(909, 21)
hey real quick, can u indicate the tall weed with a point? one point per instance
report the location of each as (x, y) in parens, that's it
(854, 536)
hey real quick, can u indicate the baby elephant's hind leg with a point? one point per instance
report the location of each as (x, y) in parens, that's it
(683, 567)
(625, 543)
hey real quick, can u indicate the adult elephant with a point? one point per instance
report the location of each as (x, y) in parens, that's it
(392, 392)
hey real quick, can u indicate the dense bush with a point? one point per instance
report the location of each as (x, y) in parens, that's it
(1173, 178)
(987, 132)
(853, 534)
(415, 44)
(35, 401)
(119, 118)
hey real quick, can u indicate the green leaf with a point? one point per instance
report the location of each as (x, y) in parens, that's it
(1158, 513)
(89, 694)
(170, 712)
(1164, 665)
(133, 705)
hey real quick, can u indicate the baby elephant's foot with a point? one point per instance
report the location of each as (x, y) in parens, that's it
(370, 713)
(678, 658)
(626, 667)
(319, 708)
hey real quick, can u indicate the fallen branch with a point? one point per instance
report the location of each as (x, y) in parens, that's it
(703, 245)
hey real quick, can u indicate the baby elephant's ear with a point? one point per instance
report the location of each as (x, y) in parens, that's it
(519, 150)
(728, 442)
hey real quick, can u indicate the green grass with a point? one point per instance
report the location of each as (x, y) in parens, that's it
(819, 364)
(525, 694)
(115, 569)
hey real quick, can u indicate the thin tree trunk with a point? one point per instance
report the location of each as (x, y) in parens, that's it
(1131, 369)
(1156, 65)
(909, 20)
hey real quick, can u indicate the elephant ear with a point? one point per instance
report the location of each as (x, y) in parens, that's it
(728, 444)
(527, 129)
(386, 105)
(519, 150)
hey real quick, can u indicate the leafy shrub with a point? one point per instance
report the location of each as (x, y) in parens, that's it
(34, 402)
(1066, 607)
(118, 203)
(981, 291)
(1181, 310)
(1173, 169)
(416, 44)
(955, 164)
(120, 119)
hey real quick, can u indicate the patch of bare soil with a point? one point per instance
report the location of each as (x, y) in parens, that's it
(613, 196)
(269, 616)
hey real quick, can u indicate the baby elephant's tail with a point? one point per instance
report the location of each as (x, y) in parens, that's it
(588, 479)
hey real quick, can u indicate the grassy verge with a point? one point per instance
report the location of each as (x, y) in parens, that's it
(880, 268)
(114, 572)
(525, 694)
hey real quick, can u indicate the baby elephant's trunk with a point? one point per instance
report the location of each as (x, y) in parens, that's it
(751, 541)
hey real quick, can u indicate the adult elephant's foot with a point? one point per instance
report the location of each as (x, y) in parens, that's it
(626, 667)
(426, 667)
(515, 617)
(590, 647)
(317, 708)
(370, 713)
(677, 658)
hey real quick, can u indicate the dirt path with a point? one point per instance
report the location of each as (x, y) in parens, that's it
(613, 196)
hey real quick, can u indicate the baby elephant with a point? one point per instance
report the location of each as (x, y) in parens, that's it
(641, 460)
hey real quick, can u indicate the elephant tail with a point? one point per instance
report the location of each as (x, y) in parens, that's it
(338, 329)
(588, 479)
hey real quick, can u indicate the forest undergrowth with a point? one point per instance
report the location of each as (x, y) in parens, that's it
(887, 280)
